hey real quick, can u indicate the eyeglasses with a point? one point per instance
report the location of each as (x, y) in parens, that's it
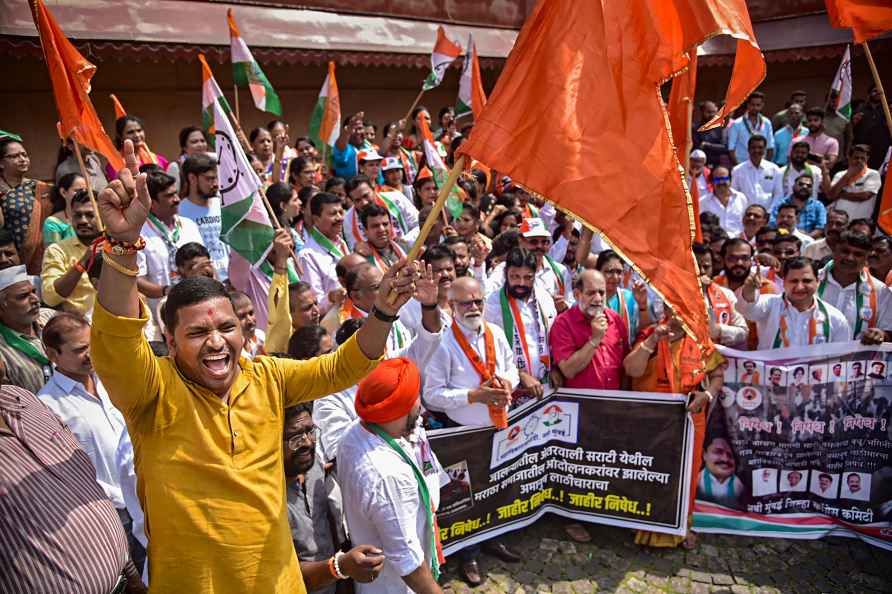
(470, 302)
(295, 440)
(613, 272)
(721, 180)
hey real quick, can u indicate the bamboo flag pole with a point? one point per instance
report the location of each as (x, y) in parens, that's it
(879, 84)
(278, 225)
(235, 88)
(416, 248)
(411, 108)
(80, 162)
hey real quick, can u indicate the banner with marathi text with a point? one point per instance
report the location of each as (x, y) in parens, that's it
(798, 445)
(610, 457)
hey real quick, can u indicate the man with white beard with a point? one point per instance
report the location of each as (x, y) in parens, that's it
(470, 378)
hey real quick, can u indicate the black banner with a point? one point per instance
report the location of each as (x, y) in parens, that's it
(604, 456)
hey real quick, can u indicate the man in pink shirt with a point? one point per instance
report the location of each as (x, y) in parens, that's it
(589, 341)
(820, 143)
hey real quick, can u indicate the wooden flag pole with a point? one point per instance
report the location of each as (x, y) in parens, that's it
(235, 88)
(415, 250)
(278, 225)
(86, 176)
(411, 108)
(879, 84)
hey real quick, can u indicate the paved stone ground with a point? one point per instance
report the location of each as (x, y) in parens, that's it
(613, 563)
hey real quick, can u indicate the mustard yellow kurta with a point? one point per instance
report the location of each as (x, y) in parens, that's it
(57, 259)
(210, 474)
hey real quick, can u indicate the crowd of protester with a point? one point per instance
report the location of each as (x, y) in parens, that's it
(514, 299)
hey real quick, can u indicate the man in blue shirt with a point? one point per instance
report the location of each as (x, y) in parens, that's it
(752, 122)
(793, 128)
(351, 140)
(812, 214)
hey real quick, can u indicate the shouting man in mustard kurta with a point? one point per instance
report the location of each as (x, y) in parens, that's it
(206, 424)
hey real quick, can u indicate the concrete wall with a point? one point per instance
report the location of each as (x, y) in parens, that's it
(167, 95)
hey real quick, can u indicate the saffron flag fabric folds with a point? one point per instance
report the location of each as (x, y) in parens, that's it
(681, 104)
(579, 101)
(70, 74)
(866, 18)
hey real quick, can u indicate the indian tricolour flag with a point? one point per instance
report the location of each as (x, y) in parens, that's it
(327, 113)
(435, 162)
(247, 73)
(246, 226)
(211, 95)
(471, 97)
(842, 84)
(445, 52)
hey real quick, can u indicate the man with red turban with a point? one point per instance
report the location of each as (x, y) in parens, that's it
(391, 487)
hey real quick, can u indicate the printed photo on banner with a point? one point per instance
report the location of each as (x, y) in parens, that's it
(458, 494)
(794, 481)
(801, 441)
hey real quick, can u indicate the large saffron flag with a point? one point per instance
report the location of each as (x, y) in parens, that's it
(246, 225)
(577, 117)
(842, 85)
(70, 74)
(445, 52)
(681, 106)
(471, 97)
(324, 122)
(211, 95)
(246, 72)
(435, 162)
(866, 18)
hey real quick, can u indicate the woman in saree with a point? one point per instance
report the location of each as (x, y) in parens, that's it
(666, 359)
(631, 305)
(24, 203)
(57, 226)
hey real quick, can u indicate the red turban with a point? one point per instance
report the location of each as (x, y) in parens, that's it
(389, 392)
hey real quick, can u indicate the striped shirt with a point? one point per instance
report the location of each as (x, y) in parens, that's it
(22, 370)
(58, 531)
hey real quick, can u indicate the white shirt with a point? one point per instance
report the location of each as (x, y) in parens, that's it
(766, 313)
(127, 478)
(319, 270)
(804, 238)
(730, 216)
(333, 415)
(539, 304)
(844, 299)
(383, 505)
(95, 422)
(410, 315)
(210, 223)
(451, 376)
(760, 184)
(733, 332)
(870, 182)
(406, 209)
(418, 344)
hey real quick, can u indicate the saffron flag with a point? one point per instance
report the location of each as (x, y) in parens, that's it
(246, 225)
(120, 112)
(211, 95)
(471, 97)
(866, 18)
(324, 122)
(246, 72)
(70, 74)
(445, 52)
(681, 107)
(435, 162)
(578, 103)
(842, 85)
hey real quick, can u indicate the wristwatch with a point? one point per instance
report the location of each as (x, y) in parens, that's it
(383, 316)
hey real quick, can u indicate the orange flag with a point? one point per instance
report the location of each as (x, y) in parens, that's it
(120, 112)
(70, 74)
(681, 105)
(577, 117)
(885, 218)
(866, 18)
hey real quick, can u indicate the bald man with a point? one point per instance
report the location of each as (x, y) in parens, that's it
(336, 315)
(589, 341)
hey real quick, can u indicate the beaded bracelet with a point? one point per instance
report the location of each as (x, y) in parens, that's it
(337, 566)
(116, 247)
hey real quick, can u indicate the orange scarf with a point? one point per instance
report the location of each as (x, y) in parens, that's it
(487, 370)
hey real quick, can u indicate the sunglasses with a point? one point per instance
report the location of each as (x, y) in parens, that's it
(721, 180)
(470, 302)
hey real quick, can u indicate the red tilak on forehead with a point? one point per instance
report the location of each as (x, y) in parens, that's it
(210, 313)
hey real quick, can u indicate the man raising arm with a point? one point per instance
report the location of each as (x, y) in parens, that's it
(206, 424)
